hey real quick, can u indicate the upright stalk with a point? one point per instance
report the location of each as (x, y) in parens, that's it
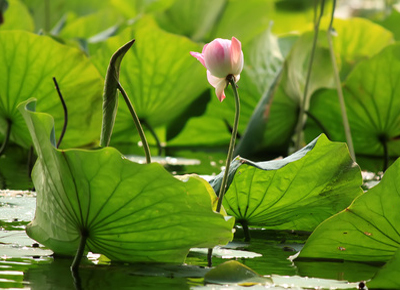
(304, 103)
(79, 252)
(339, 86)
(137, 123)
(222, 190)
(65, 112)
(6, 137)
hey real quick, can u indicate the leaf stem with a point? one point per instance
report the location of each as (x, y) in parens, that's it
(154, 134)
(6, 137)
(221, 194)
(246, 231)
(47, 15)
(79, 252)
(346, 124)
(65, 112)
(137, 123)
(305, 101)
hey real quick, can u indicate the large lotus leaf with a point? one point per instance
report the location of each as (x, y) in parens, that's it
(371, 93)
(88, 26)
(17, 17)
(47, 13)
(280, 116)
(129, 211)
(158, 74)
(297, 192)
(27, 64)
(262, 62)
(130, 9)
(355, 39)
(191, 18)
(391, 22)
(368, 230)
(388, 277)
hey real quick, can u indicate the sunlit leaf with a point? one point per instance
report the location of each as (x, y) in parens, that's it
(129, 211)
(28, 63)
(295, 193)
(368, 230)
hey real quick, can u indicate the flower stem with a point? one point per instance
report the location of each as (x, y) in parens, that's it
(65, 113)
(346, 124)
(137, 123)
(221, 194)
(305, 102)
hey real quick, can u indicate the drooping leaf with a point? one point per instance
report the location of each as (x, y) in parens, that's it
(371, 95)
(129, 212)
(368, 230)
(27, 64)
(16, 16)
(159, 75)
(295, 193)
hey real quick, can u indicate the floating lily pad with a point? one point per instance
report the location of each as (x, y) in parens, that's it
(234, 272)
(129, 212)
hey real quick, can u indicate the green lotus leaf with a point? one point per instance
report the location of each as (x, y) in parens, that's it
(88, 26)
(159, 75)
(279, 115)
(128, 211)
(17, 17)
(47, 13)
(391, 22)
(371, 95)
(388, 277)
(295, 193)
(27, 64)
(368, 230)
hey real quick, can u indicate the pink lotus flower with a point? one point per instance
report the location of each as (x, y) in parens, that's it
(221, 58)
